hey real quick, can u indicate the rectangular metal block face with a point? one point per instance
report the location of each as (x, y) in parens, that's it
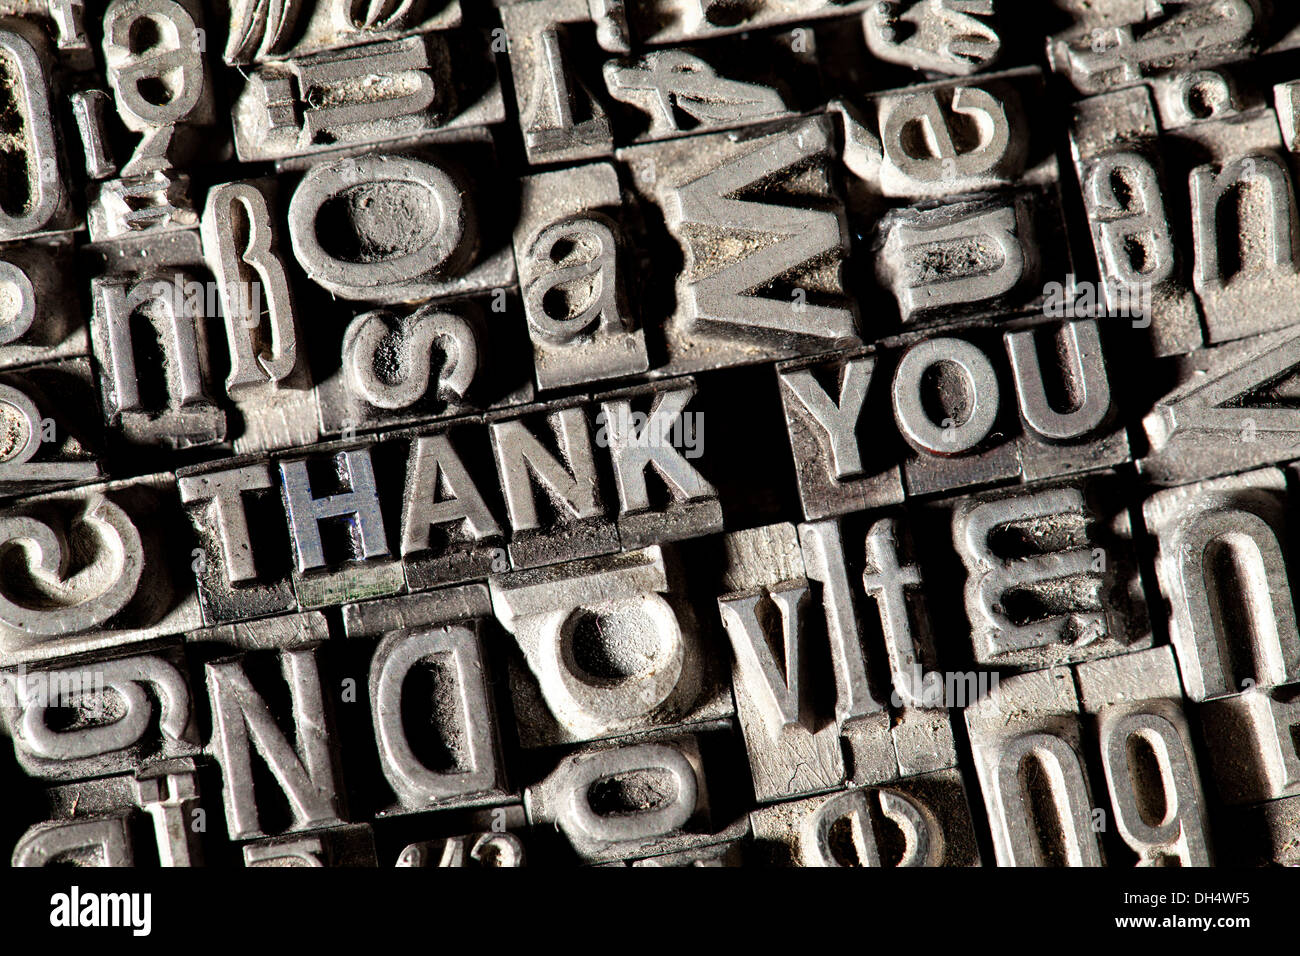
(547, 470)
(867, 743)
(786, 433)
(453, 518)
(553, 47)
(1051, 574)
(958, 260)
(1134, 709)
(289, 417)
(135, 591)
(717, 319)
(104, 737)
(841, 461)
(437, 224)
(175, 249)
(1116, 681)
(1133, 43)
(609, 647)
(1027, 729)
(343, 511)
(947, 160)
(41, 321)
(1241, 162)
(425, 84)
(927, 475)
(1227, 645)
(570, 799)
(454, 567)
(1220, 417)
(655, 439)
(809, 832)
(447, 606)
(575, 540)
(455, 358)
(687, 91)
(433, 721)
(242, 563)
(1040, 461)
(674, 523)
(1116, 136)
(793, 743)
(54, 435)
(1024, 702)
(923, 741)
(348, 584)
(594, 333)
(1251, 738)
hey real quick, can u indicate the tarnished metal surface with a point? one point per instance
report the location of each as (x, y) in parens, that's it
(649, 433)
